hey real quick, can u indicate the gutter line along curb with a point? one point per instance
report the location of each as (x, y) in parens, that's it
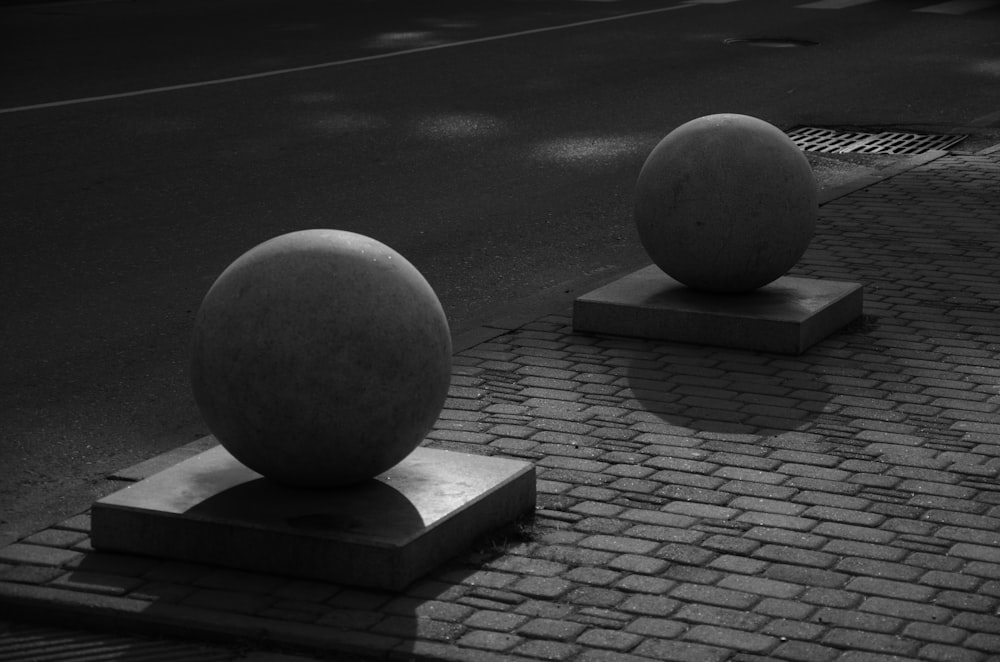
(74, 609)
(117, 615)
(864, 181)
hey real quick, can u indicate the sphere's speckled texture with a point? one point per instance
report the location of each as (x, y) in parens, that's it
(320, 358)
(726, 203)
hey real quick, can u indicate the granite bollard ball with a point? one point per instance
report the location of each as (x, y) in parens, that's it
(320, 358)
(726, 203)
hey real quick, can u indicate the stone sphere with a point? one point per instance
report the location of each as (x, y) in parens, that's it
(726, 203)
(320, 358)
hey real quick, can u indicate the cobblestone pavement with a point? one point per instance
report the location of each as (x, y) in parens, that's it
(695, 503)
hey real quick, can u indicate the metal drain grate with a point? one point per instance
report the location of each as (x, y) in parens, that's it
(831, 141)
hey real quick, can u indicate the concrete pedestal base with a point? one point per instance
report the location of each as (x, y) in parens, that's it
(383, 533)
(786, 317)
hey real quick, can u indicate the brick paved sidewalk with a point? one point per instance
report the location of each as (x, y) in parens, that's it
(695, 503)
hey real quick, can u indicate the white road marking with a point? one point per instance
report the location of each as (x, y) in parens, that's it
(341, 63)
(957, 7)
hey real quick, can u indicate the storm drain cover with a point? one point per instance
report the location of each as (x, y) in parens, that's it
(832, 141)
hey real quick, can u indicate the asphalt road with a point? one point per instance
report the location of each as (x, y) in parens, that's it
(145, 145)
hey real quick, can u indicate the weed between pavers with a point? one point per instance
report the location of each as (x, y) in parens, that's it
(497, 543)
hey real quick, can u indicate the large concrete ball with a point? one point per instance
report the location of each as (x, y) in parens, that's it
(726, 203)
(320, 358)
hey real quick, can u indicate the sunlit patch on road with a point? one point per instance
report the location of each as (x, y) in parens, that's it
(593, 150)
(457, 125)
(408, 39)
(342, 122)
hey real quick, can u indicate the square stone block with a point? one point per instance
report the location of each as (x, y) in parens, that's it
(785, 317)
(382, 533)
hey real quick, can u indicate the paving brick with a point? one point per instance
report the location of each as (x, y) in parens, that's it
(244, 582)
(891, 589)
(761, 586)
(853, 532)
(984, 641)
(975, 536)
(620, 544)
(656, 627)
(879, 569)
(981, 569)
(743, 460)
(878, 551)
(735, 563)
(795, 556)
(37, 554)
(984, 623)
(650, 605)
(750, 475)
(670, 650)
(807, 576)
(943, 653)
(856, 620)
(712, 595)
(690, 574)
(783, 609)
(645, 584)
(964, 601)
(610, 639)
(990, 554)
(176, 572)
(791, 536)
(907, 610)
(761, 490)
(489, 640)
(732, 639)
(601, 618)
(592, 576)
(547, 628)
(542, 587)
(96, 582)
(772, 506)
(227, 601)
(845, 515)
(693, 494)
(934, 632)
(659, 518)
(547, 650)
(350, 619)
(636, 563)
(30, 574)
(521, 565)
(79, 522)
(786, 629)
(721, 616)
(595, 596)
(56, 538)
(804, 651)
(702, 510)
